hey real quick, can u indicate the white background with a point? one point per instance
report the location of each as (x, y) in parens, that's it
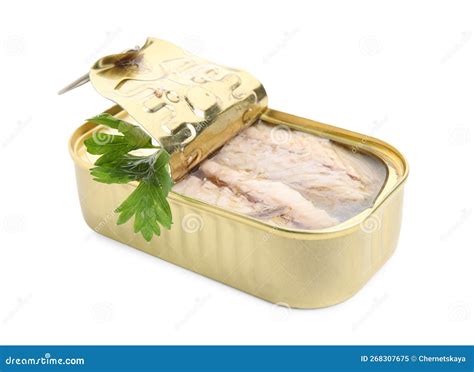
(401, 71)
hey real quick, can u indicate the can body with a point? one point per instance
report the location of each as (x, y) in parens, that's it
(301, 269)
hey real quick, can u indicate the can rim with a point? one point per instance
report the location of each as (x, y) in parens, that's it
(278, 117)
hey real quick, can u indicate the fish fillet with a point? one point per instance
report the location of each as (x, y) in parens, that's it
(222, 196)
(287, 178)
(295, 206)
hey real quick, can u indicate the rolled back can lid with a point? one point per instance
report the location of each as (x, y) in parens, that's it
(189, 105)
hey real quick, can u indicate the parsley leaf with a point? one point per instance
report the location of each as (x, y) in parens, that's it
(112, 146)
(147, 203)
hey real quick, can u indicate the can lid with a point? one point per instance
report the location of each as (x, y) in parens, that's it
(188, 104)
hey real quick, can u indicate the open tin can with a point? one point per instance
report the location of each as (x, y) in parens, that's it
(199, 107)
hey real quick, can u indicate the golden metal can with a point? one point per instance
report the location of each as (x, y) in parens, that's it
(297, 268)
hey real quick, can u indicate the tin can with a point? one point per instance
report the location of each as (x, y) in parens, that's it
(296, 268)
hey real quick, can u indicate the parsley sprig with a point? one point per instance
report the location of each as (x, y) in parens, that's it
(147, 203)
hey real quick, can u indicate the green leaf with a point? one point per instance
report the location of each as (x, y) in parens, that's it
(111, 146)
(148, 203)
(106, 119)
